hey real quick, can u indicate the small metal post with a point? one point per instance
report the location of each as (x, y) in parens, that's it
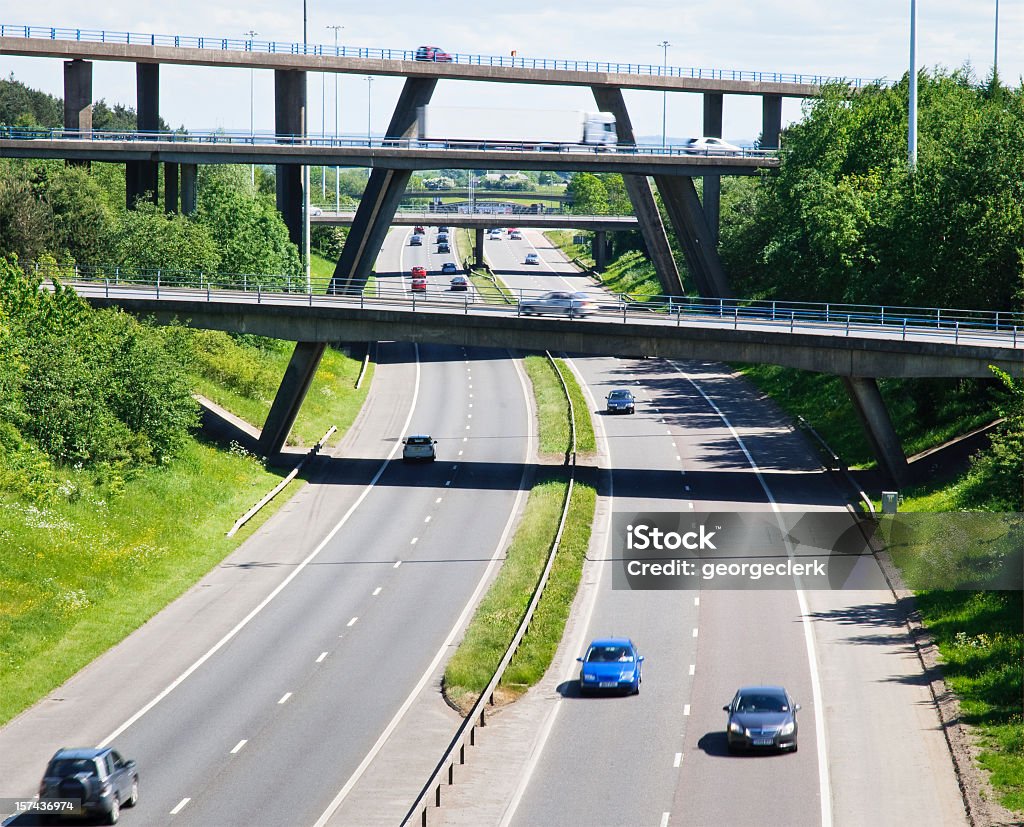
(956, 334)
(259, 297)
(106, 292)
(826, 313)
(847, 324)
(1015, 335)
(735, 316)
(245, 283)
(792, 320)
(904, 330)
(158, 284)
(773, 310)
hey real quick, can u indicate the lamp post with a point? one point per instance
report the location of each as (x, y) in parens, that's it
(251, 34)
(664, 95)
(369, 103)
(995, 48)
(305, 171)
(337, 170)
(912, 113)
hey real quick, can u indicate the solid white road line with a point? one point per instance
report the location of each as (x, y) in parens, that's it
(284, 583)
(285, 697)
(239, 745)
(323, 655)
(460, 622)
(824, 783)
(180, 806)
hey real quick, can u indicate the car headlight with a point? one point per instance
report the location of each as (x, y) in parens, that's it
(627, 676)
(736, 728)
(787, 729)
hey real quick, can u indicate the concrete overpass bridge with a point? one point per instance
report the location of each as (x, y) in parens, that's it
(855, 343)
(694, 222)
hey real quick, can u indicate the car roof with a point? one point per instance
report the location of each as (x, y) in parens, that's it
(765, 690)
(622, 390)
(79, 752)
(611, 641)
(418, 436)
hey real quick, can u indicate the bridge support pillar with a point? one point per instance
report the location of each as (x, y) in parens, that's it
(141, 177)
(713, 183)
(380, 199)
(609, 99)
(679, 195)
(771, 121)
(478, 245)
(874, 417)
(78, 95)
(298, 376)
(599, 248)
(170, 187)
(290, 119)
(189, 173)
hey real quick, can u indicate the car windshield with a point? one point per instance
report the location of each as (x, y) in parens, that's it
(609, 654)
(418, 440)
(63, 767)
(762, 703)
(620, 395)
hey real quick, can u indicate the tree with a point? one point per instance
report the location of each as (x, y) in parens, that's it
(149, 240)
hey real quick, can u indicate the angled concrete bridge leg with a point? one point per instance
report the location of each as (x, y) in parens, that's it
(290, 119)
(609, 99)
(298, 376)
(713, 183)
(381, 197)
(874, 417)
(679, 195)
(141, 176)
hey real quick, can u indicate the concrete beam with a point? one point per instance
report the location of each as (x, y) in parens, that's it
(78, 95)
(381, 197)
(298, 376)
(713, 183)
(874, 418)
(170, 188)
(189, 175)
(771, 121)
(599, 248)
(290, 119)
(679, 195)
(141, 177)
(642, 197)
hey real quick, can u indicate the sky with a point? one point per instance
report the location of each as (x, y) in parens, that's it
(848, 38)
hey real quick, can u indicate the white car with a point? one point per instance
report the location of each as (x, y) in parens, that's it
(531, 258)
(710, 146)
(418, 447)
(315, 211)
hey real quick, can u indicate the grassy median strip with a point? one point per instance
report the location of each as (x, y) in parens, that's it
(502, 609)
(97, 554)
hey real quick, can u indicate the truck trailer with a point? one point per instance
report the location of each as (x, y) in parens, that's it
(516, 128)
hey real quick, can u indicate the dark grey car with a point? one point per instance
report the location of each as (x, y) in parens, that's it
(620, 401)
(100, 778)
(761, 717)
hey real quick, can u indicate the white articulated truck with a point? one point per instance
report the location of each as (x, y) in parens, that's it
(516, 128)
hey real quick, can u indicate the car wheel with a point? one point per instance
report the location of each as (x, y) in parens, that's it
(134, 799)
(115, 811)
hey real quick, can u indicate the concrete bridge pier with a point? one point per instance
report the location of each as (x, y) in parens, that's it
(874, 417)
(290, 119)
(599, 249)
(170, 188)
(679, 195)
(298, 376)
(771, 121)
(141, 177)
(609, 99)
(713, 183)
(189, 174)
(381, 197)
(478, 245)
(78, 99)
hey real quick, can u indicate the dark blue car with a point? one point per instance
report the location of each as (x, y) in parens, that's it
(611, 664)
(761, 718)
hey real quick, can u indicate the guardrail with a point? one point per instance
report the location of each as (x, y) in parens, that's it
(467, 729)
(247, 138)
(235, 44)
(838, 318)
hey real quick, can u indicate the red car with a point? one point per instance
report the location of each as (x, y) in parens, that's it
(434, 53)
(418, 272)
(419, 230)
(419, 284)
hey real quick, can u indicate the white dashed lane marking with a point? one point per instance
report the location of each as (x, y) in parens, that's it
(678, 760)
(239, 745)
(376, 591)
(285, 697)
(324, 654)
(180, 806)
(397, 564)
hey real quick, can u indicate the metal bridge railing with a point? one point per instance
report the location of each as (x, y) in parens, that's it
(235, 44)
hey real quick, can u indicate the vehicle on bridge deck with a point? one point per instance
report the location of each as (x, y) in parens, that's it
(710, 146)
(515, 235)
(611, 664)
(419, 284)
(449, 267)
(416, 240)
(444, 247)
(620, 401)
(761, 717)
(517, 128)
(560, 302)
(418, 230)
(459, 283)
(418, 272)
(531, 258)
(418, 447)
(434, 53)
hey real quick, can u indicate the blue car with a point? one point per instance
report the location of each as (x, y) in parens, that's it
(611, 664)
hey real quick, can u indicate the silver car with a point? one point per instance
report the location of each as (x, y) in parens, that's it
(418, 447)
(560, 302)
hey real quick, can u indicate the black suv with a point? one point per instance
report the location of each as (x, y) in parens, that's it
(100, 778)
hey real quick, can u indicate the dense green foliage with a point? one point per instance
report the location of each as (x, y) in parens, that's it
(846, 220)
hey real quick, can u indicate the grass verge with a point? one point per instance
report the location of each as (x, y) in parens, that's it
(500, 612)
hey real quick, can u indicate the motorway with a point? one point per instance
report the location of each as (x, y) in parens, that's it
(256, 697)
(871, 751)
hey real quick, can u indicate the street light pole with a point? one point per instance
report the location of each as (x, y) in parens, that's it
(251, 34)
(337, 170)
(912, 113)
(664, 95)
(305, 169)
(369, 103)
(995, 49)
